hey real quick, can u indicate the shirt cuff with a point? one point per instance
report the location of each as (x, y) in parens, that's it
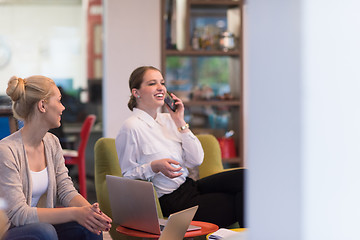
(188, 135)
(148, 172)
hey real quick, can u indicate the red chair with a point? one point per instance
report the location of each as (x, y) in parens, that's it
(77, 157)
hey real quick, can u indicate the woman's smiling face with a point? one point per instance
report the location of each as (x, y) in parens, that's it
(54, 108)
(150, 96)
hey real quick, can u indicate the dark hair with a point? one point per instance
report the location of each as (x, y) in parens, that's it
(135, 81)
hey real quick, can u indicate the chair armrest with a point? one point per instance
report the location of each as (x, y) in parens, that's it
(234, 168)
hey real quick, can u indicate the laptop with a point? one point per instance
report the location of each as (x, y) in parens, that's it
(178, 224)
(133, 206)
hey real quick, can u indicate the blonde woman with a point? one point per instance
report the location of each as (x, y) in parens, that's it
(33, 176)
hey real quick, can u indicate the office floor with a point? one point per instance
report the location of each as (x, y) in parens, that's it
(106, 236)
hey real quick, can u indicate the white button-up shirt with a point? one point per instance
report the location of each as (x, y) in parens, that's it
(143, 139)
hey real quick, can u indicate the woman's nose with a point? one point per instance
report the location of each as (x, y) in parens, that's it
(161, 87)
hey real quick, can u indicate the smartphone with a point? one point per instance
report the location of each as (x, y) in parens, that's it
(170, 102)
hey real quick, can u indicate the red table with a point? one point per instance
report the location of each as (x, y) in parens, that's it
(206, 228)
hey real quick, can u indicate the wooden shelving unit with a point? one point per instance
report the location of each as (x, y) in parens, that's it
(94, 34)
(236, 103)
(200, 53)
(233, 106)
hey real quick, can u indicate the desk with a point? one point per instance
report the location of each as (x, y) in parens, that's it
(5, 111)
(206, 228)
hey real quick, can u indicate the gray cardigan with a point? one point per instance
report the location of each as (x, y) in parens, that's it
(16, 183)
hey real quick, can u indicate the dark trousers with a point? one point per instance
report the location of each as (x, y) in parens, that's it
(220, 198)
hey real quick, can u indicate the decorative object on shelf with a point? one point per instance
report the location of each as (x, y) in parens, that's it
(226, 96)
(207, 92)
(234, 21)
(218, 120)
(195, 42)
(206, 27)
(180, 28)
(206, 38)
(227, 41)
(196, 93)
(227, 145)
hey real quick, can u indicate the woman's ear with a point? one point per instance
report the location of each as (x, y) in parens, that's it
(135, 93)
(41, 106)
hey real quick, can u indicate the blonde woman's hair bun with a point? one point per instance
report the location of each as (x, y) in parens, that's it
(16, 88)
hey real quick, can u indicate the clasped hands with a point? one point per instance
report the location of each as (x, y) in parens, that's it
(164, 166)
(94, 219)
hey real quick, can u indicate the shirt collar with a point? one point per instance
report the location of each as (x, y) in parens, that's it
(144, 116)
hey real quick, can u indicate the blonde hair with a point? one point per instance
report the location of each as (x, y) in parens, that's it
(25, 93)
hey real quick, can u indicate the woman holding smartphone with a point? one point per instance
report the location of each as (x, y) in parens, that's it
(33, 176)
(159, 147)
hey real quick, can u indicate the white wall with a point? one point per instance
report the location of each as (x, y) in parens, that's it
(44, 39)
(331, 119)
(303, 119)
(132, 39)
(273, 119)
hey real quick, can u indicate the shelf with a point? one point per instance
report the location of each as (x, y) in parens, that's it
(235, 103)
(168, 52)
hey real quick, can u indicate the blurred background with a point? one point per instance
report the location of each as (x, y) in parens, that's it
(60, 39)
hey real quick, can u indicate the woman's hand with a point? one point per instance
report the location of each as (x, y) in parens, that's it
(93, 218)
(178, 115)
(96, 208)
(164, 166)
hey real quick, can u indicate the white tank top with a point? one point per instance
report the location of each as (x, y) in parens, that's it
(40, 182)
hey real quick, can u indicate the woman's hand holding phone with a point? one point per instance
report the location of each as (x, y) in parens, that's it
(178, 114)
(170, 102)
(174, 105)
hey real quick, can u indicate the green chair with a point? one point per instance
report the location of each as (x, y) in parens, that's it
(212, 162)
(107, 163)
